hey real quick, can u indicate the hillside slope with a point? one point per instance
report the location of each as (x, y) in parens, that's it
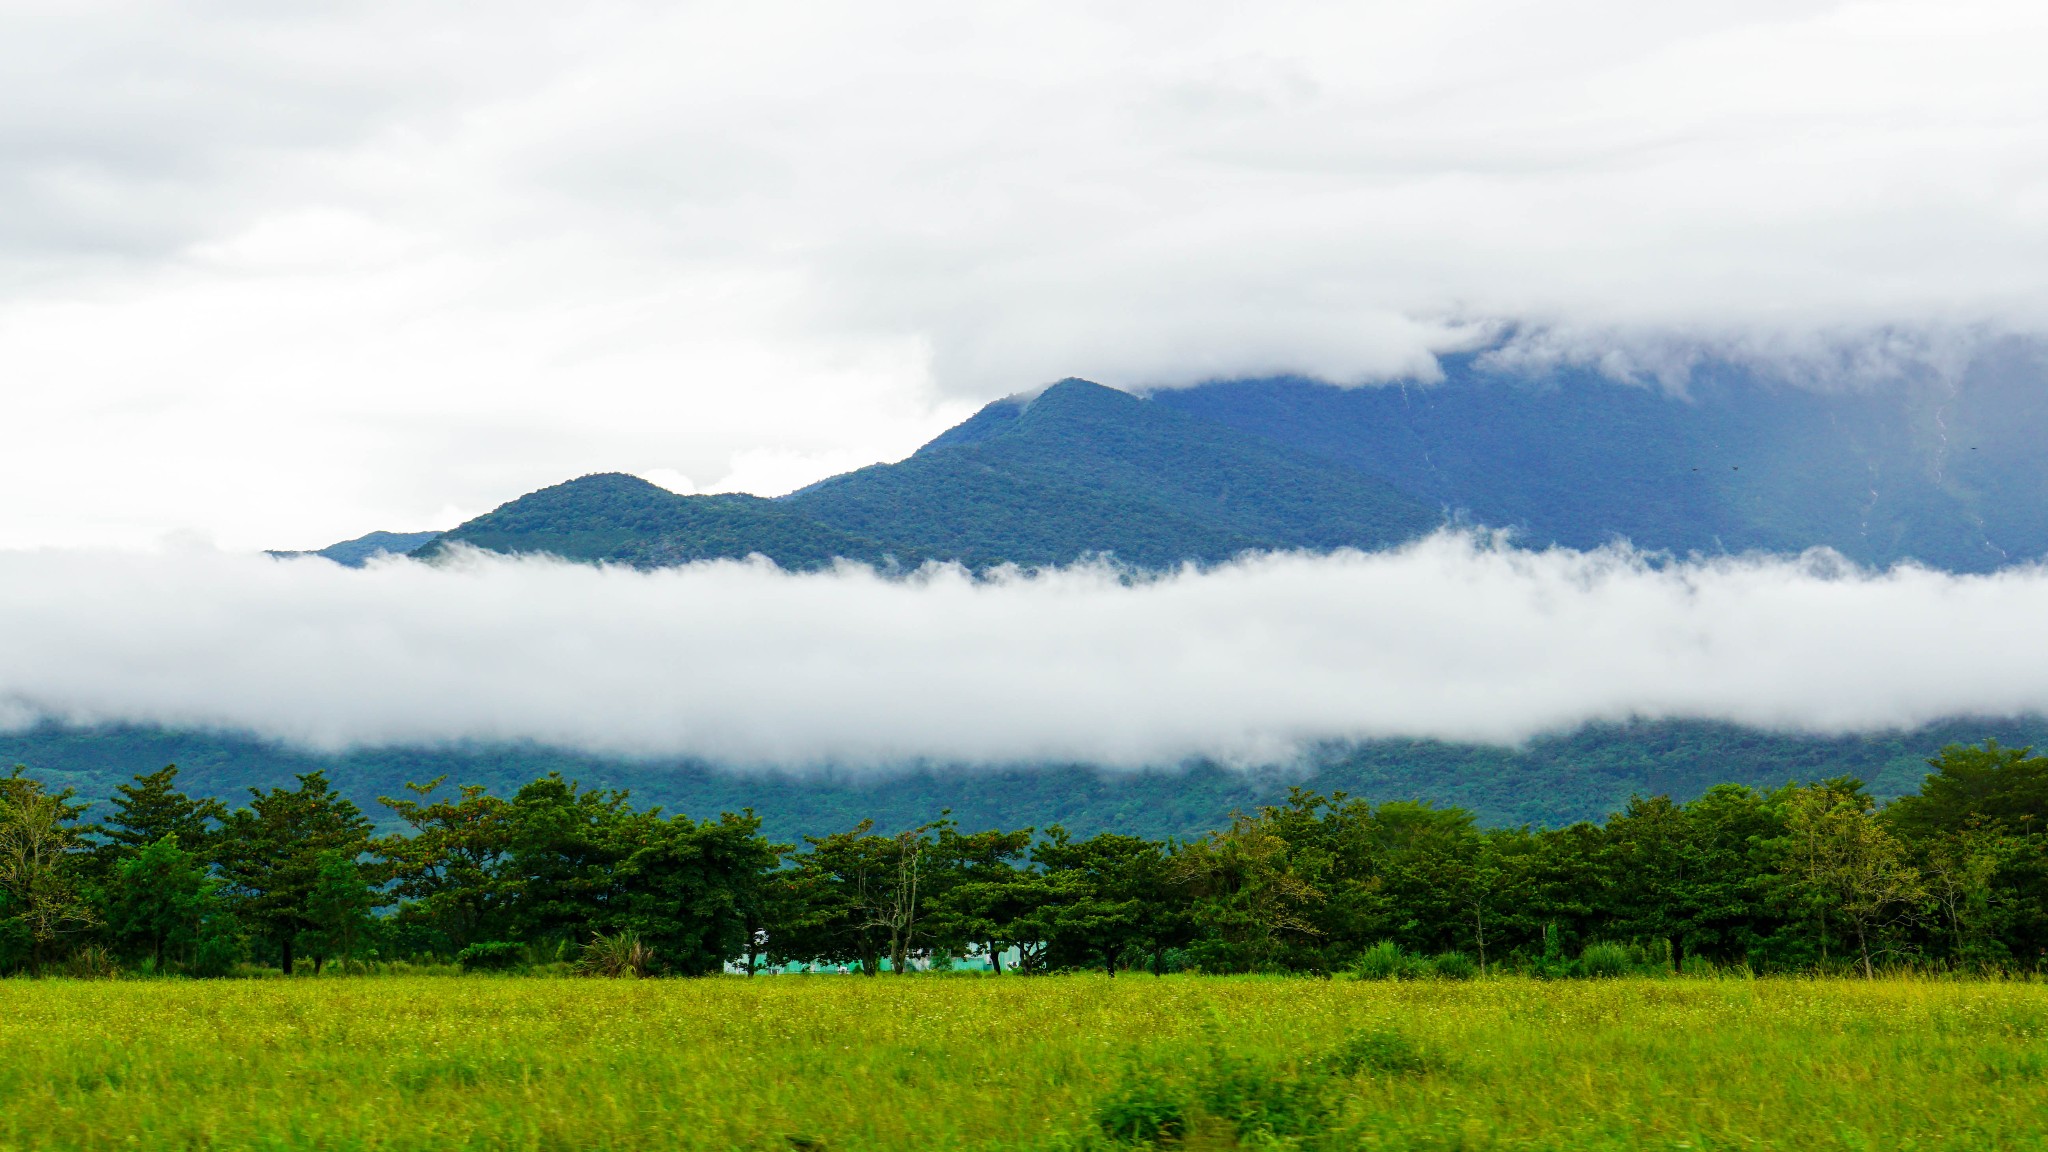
(1079, 470)
(1082, 469)
(615, 518)
(1950, 474)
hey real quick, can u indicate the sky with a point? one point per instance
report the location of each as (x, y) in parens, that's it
(277, 275)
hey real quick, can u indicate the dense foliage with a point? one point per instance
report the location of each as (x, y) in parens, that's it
(1802, 877)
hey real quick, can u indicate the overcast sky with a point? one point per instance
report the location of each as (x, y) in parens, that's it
(280, 274)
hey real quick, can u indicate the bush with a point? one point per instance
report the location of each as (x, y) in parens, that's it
(1386, 961)
(1143, 1110)
(1380, 1050)
(1264, 1099)
(617, 956)
(1454, 966)
(490, 956)
(1601, 960)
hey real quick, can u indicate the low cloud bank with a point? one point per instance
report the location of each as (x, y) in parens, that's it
(1453, 638)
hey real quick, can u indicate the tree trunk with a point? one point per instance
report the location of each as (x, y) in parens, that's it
(285, 955)
(995, 958)
(1158, 961)
(753, 931)
(1678, 955)
(1863, 946)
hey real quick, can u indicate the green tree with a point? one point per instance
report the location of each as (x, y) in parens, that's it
(1247, 899)
(152, 808)
(162, 904)
(449, 873)
(40, 849)
(340, 909)
(272, 855)
(1844, 866)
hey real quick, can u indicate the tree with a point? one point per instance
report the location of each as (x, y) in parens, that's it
(692, 890)
(2005, 789)
(982, 893)
(565, 844)
(861, 896)
(152, 808)
(1247, 897)
(448, 874)
(161, 903)
(1118, 896)
(339, 909)
(1843, 863)
(39, 848)
(276, 853)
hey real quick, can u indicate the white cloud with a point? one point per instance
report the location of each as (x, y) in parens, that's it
(744, 664)
(288, 274)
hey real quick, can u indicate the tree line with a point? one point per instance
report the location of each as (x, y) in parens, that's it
(1806, 877)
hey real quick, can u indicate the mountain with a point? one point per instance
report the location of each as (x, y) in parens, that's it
(1075, 471)
(1550, 782)
(1080, 469)
(1949, 473)
(363, 549)
(624, 519)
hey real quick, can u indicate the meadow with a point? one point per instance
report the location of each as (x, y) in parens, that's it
(1055, 1062)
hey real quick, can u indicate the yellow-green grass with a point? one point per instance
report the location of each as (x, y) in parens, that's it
(850, 1063)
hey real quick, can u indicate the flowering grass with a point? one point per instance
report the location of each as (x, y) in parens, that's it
(847, 1063)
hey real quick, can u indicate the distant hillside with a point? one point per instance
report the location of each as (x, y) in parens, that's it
(1553, 781)
(361, 550)
(1951, 474)
(1078, 470)
(624, 519)
(1081, 468)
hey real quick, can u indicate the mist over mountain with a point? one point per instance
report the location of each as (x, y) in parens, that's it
(1948, 472)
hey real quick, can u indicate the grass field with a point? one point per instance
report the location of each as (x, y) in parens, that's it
(845, 1063)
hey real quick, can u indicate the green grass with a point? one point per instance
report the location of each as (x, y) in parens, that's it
(846, 1063)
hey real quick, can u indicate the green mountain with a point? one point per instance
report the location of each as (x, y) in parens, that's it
(1076, 471)
(623, 519)
(1082, 469)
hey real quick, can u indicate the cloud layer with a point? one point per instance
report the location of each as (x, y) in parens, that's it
(743, 664)
(288, 274)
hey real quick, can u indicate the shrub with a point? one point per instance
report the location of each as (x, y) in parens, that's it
(616, 956)
(1143, 1110)
(1454, 966)
(1386, 961)
(1601, 960)
(92, 962)
(1380, 1050)
(1265, 1099)
(490, 956)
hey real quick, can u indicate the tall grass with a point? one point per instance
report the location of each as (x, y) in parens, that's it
(848, 1063)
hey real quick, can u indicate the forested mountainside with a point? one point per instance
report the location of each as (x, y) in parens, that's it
(1947, 474)
(1551, 782)
(1078, 470)
(1950, 473)
(624, 519)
